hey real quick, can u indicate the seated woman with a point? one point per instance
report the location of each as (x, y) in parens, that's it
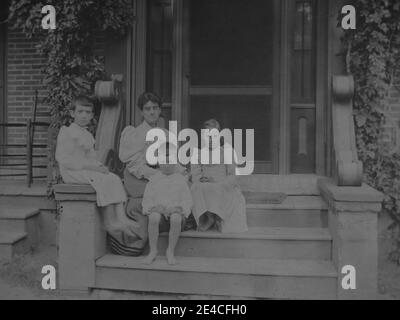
(132, 152)
(133, 146)
(218, 201)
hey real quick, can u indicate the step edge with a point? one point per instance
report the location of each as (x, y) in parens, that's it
(12, 237)
(330, 271)
(254, 206)
(325, 236)
(18, 216)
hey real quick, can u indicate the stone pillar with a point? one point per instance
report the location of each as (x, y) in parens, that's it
(353, 217)
(82, 239)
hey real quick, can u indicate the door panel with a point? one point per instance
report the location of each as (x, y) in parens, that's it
(231, 69)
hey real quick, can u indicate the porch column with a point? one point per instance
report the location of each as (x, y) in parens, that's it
(82, 239)
(353, 219)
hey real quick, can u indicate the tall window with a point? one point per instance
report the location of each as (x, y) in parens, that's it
(303, 53)
(303, 86)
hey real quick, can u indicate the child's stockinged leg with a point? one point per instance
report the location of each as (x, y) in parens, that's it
(154, 221)
(174, 233)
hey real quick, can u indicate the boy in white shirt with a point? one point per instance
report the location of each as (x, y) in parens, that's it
(77, 161)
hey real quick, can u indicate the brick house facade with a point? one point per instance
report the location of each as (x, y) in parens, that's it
(286, 87)
(23, 77)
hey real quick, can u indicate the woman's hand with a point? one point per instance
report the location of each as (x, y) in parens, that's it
(207, 179)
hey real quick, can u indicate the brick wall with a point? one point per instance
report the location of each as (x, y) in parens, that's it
(24, 77)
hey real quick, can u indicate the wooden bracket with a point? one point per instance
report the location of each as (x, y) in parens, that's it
(348, 169)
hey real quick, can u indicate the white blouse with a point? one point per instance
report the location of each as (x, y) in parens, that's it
(132, 150)
(75, 148)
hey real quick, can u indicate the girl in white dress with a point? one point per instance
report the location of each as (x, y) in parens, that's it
(218, 202)
(166, 198)
(78, 164)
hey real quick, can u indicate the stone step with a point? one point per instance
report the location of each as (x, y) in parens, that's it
(12, 243)
(257, 243)
(21, 219)
(41, 202)
(259, 278)
(16, 193)
(294, 211)
(293, 184)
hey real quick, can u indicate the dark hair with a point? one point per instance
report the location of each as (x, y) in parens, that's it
(212, 123)
(146, 97)
(83, 100)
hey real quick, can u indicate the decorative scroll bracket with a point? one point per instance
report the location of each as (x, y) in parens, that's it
(348, 169)
(109, 126)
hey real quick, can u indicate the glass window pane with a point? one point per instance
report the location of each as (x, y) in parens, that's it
(303, 53)
(159, 63)
(231, 42)
(238, 112)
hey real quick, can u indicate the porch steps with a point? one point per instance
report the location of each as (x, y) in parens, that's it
(19, 230)
(291, 185)
(257, 243)
(256, 278)
(11, 244)
(17, 194)
(286, 253)
(294, 211)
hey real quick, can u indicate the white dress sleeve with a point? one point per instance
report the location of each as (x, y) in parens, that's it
(65, 150)
(129, 144)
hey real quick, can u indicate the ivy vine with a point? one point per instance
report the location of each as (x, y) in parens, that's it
(72, 67)
(372, 56)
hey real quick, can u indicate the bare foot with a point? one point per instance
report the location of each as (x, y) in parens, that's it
(150, 258)
(171, 258)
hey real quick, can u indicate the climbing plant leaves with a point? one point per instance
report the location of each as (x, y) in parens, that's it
(71, 67)
(373, 55)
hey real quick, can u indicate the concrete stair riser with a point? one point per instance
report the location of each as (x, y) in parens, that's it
(287, 218)
(249, 248)
(256, 286)
(41, 202)
(12, 225)
(8, 251)
(288, 184)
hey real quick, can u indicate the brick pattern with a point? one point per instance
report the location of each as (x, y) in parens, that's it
(24, 77)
